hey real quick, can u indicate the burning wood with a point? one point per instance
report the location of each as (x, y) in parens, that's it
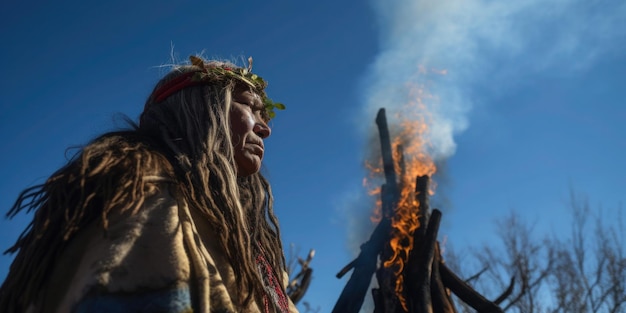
(413, 277)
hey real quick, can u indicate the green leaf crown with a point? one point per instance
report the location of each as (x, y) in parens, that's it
(213, 72)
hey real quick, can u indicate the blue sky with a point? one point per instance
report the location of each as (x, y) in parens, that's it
(533, 102)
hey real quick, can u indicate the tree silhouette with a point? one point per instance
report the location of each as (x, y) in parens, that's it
(582, 272)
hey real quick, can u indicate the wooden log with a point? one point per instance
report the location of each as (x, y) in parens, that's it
(392, 193)
(441, 299)
(379, 299)
(420, 270)
(466, 293)
(353, 294)
(414, 262)
(421, 195)
(386, 276)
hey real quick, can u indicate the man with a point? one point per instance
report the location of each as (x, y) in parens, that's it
(171, 216)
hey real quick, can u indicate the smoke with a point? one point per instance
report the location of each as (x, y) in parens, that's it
(441, 50)
(447, 47)
(433, 53)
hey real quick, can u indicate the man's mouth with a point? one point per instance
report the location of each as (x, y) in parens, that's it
(256, 148)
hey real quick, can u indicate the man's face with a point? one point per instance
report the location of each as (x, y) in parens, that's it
(248, 129)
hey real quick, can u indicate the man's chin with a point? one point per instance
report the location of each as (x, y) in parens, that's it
(248, 166)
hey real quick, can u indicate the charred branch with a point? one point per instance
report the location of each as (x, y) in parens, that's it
(418, 279)
(421, 195)
(466, 293)
(441, 299)
(391, 181)
(347, 268)
(353, 294)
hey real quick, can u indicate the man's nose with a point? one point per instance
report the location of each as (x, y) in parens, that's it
(262, 130)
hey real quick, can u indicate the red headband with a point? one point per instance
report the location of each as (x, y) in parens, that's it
(212, 74)
(176, 84)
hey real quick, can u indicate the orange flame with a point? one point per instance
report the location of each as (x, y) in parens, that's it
(410, 161)
(374, 191)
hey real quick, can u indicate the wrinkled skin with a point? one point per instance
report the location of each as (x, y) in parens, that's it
(248, 129)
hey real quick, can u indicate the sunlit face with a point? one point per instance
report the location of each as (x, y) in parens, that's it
(248, 129)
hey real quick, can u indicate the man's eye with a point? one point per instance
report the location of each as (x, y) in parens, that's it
(256, 107)
(246, 103)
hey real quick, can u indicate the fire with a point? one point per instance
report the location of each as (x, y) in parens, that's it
(377, 214)
(410, 148)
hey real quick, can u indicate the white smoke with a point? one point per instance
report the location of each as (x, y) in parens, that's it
(480, 42)
(480, 45)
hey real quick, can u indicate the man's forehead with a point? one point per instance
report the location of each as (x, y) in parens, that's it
(246, 92)
(244, 88)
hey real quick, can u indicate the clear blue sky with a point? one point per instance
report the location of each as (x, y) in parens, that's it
(533, 102)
